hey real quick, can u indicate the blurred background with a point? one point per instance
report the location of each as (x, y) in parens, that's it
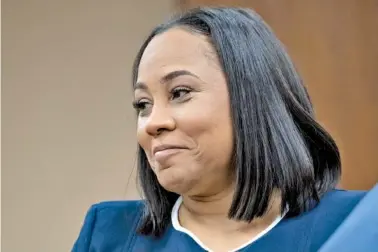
(68, 128)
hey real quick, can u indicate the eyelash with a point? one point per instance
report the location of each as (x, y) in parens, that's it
(140, 105)
(180, 89)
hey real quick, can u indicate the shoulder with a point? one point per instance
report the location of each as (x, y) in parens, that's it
(333, 208)
(108, 225)
(117, 208)
(347, 198)
(115, 213)
(337, 204)
(310, 230)
(334, 205)
(348, 236)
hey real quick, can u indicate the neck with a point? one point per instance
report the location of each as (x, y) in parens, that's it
(212, 211)
(216, 204)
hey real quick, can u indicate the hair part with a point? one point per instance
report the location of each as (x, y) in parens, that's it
(277, 142)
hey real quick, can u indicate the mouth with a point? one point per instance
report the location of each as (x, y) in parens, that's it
(162, 153)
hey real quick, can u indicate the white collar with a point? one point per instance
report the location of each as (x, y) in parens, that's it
(176, 225)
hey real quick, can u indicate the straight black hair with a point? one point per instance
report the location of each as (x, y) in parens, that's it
(278, 145)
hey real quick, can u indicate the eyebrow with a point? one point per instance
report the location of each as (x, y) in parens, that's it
(166, 78)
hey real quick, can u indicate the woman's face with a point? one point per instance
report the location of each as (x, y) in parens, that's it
(184, 123)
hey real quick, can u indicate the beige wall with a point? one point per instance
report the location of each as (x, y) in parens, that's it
(68, 127)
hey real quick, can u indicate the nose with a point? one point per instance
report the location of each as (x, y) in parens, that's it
(160, 120)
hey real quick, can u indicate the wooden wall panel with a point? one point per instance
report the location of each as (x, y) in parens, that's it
(334, 45)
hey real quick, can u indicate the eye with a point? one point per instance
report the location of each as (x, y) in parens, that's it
(179, 92)
(141, 105)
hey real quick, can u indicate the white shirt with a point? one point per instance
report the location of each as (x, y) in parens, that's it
(176, 225)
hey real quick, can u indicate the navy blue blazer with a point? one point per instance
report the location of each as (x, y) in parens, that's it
(359, 231)
(112, 227)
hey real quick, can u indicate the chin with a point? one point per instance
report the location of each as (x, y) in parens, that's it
(174, 182)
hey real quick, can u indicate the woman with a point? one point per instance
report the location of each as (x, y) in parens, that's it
(230, 155)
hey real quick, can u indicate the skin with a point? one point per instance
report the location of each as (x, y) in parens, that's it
(182, 100)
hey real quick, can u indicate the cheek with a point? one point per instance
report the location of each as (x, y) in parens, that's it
(144, 141)
(142, 136)
(210, 127)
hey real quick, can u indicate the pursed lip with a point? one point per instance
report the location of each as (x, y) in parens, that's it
(163, 147)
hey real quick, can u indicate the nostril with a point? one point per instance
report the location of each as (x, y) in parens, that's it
(159, 131)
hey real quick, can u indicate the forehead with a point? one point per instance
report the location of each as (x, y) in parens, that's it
(176, 49)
